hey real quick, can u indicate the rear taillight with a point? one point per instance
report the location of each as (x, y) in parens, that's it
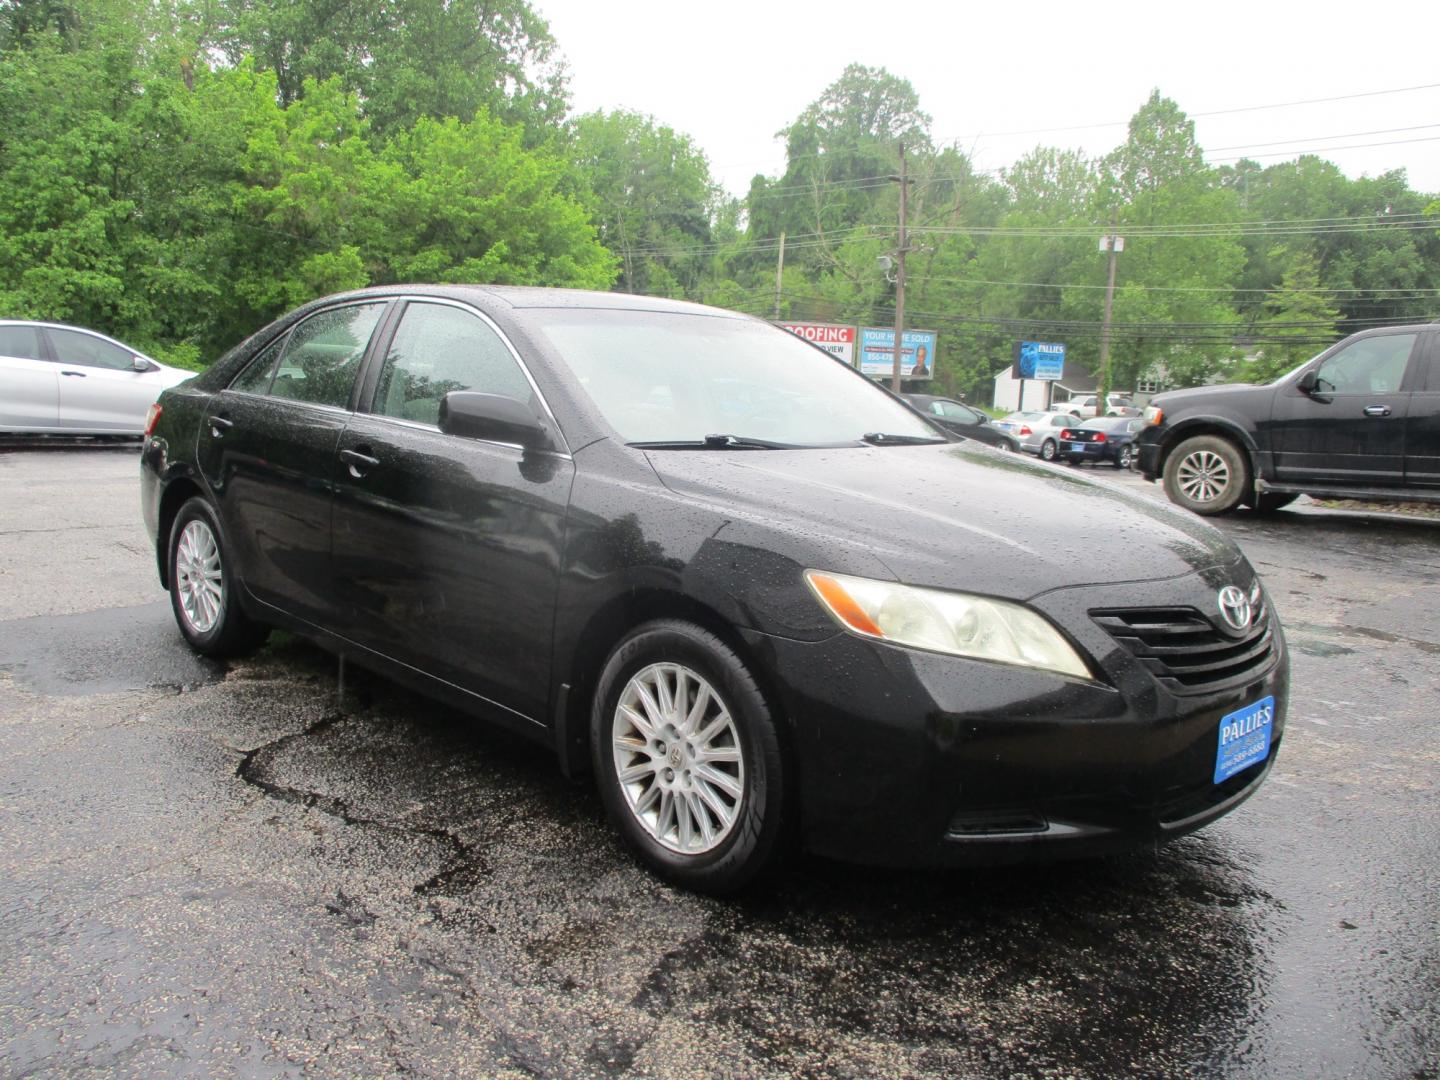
(152, 418)
(1067, 434)
(1023, 430)
(1099, 436)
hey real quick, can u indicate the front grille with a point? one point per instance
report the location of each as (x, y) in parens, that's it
(1186, 652)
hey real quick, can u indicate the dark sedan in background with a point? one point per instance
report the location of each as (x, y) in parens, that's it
(758, 598)
(963, 420)
(1104, 439)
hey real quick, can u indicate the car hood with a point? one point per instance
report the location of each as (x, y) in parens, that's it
(1199, 395)
(954, 516)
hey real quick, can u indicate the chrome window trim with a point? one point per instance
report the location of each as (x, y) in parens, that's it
(409, 299)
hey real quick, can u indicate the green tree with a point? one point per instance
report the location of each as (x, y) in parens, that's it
(650, 195)
(1296, 315)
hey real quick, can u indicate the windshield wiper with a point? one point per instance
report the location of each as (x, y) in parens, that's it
(715, 442)
(880, 438)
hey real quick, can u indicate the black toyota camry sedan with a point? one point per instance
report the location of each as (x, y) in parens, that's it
(761, 600)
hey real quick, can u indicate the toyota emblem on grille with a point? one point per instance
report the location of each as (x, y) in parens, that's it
(1234, 607)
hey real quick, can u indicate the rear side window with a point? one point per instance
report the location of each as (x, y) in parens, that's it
(322, 355)
(83, 350)
(20, 341)
(437, 349)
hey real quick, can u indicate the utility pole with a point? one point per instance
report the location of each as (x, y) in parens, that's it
(779, 271)
(1113, 244)
(904, 182)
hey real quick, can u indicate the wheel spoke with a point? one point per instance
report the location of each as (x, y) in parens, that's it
(640, 723)
(697, 709)
(637, 772)
(723, 781)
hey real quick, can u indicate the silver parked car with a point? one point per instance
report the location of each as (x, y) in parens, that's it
(1037, 432)
(65, 380)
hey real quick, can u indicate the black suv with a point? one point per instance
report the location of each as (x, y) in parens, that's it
(1361, 420)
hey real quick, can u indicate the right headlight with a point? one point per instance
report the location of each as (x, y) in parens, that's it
(947, 622)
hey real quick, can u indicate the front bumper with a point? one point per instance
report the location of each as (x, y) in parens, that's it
(908, 758)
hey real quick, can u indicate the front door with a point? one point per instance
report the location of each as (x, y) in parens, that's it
(267, 448)
(100, 390)
(447, 549)
(1350, 429)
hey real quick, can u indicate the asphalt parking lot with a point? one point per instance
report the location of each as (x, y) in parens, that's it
(214, 871)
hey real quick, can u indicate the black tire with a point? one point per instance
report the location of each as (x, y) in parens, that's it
(1048, 450)
(1268, 501)
(1125, 458)
(212, 623)
(746, 847)
(1007, 446)
(1207, 474)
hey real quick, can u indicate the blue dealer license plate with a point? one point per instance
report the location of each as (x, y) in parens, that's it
(1080, 446)
(1244, 738)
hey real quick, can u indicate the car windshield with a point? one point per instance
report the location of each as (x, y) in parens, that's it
(686, 379)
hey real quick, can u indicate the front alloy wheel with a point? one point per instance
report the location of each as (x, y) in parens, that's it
(1127, 456)
(687, 755)
(1207, 474)
(678, 758)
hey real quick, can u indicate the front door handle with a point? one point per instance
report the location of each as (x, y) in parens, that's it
(74, 374)
(1377, 410)
(359, 463)
(219, 425)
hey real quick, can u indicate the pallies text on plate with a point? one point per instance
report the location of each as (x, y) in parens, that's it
(1245, 725)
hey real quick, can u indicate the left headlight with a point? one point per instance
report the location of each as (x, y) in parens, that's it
(1154, 415)
(946, 622)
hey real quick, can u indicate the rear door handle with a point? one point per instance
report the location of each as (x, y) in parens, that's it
(1377, 410)
(219, 425)
(74, 374)
(359, 463)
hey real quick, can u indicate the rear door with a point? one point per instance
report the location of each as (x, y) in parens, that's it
(1422, 425)
(447, 549)
(268, 450)
(1351, 428)
(29, 382)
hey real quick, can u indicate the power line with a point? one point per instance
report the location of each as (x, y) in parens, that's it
(1323, 138)
(1212, 112)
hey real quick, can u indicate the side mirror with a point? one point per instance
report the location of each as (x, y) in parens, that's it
(495, 418)
(1307, 382)
(140, 364)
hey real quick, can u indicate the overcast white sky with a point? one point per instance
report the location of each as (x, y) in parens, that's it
(732, 74)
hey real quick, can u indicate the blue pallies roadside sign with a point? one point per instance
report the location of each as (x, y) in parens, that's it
(1041, 360)
(917, 352)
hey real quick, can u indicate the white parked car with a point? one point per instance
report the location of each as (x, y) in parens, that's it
(64, 380)
(1084, 406)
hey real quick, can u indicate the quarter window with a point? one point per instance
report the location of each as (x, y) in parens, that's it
(85, 350)
(323, 353)
(437, 349)
(20, 341)
(1369, 366)
(255, 379)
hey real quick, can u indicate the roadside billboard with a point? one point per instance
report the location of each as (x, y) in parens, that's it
(917, 352)
(838, 341)
(1044, 360)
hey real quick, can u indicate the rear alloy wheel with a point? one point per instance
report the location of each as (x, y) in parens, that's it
(1126, 457)
(1048, 450)
(688, 757)
(202, 587)
(1207, 474)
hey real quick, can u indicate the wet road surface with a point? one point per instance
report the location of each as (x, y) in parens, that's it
(210, 870)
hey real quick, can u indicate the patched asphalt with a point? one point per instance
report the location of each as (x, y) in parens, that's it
(230, 870)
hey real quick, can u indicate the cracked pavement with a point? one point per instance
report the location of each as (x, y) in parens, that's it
(211, 870)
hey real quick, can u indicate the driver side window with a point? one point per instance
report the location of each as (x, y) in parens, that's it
(1369, 366)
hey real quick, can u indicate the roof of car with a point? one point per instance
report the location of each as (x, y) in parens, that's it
(529, 296)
